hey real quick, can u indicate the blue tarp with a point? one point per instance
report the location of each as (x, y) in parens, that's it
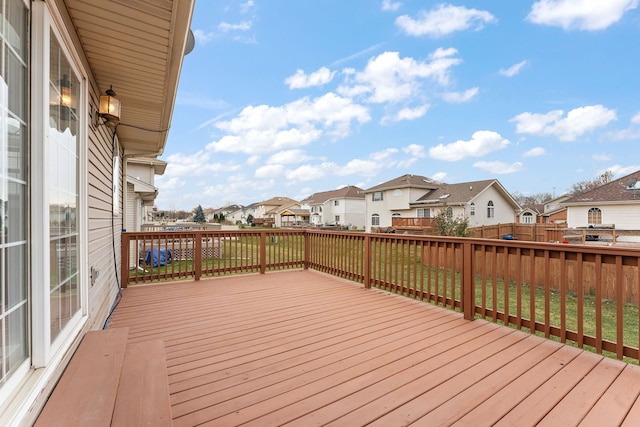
(161, 257)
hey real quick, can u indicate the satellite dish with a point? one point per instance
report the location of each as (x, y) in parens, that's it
(191, 43)
(632, 183)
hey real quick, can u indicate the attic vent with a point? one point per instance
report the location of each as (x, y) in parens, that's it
(444, 196)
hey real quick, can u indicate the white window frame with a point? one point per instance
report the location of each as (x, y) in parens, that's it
(527, 218)
(491, 209)
(377, 196)
(375, 220)
(47, 20)
(423, 212)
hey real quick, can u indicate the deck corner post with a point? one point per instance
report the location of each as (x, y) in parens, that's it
(263, 252)
(367, 261)
(468, 292)
(197, 254)
(307, 245)
(124, 260)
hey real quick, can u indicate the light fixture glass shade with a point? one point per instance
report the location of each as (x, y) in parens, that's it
(110, 107)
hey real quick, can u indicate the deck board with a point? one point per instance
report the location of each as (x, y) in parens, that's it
(304, 348)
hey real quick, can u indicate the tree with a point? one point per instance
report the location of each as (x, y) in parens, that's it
(588, 185)
(533, 199)
(449, 226)
(198, 215)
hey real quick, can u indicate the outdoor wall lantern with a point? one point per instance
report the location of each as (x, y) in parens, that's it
(110, 106)
(66, 98)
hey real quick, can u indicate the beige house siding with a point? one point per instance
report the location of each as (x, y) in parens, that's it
(504, 213)
(623, 216)
(102, 233)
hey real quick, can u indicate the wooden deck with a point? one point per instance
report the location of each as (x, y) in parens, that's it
(304, 348)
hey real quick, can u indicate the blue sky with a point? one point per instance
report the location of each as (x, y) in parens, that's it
(289, 98)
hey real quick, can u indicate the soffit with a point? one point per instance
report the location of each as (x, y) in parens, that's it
(136, 46)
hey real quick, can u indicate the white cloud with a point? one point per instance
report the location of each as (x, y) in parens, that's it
(481, 143)
(514, 69)
(253, 160)
(444, 19)
(171, 184)
(618, 170)
(603, 157)
(391, 6)
(247, 6)
(460, 97)
(269, 171)
(203, 37)
(439, 176)
(288, 157)
(226, 27)
(390, 78)
(302, 80)
(576, 123)
(636, 119)
(535, 152)
(312, 172)
(264, 128)
(415, 150)
(580, 14)
(197, 164)
(499, 168)
(407, 114)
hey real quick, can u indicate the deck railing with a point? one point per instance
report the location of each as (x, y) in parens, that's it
(583, 294)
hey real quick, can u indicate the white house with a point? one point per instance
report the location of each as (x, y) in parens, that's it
(63, 141)
(141, 191)
(414, 196)
(616, 203)
(344, 206)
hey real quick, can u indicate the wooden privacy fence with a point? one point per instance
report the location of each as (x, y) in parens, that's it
(584, 294)
(527, 232)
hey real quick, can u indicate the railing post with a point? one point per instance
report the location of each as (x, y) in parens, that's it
(367, 261)
(305, 236)
(263, 252)
(124, 261)
(197, 254)
(468, 291)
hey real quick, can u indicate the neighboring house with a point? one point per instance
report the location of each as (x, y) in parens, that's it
(271, 209)
(141, 192)
(344, 206)
(393, 198)
(238, 216)
(551, 212)
(291, 216)
(413, 196)
(62, 180)
(616, 203)
(226, 212)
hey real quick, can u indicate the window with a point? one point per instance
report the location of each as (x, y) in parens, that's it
(423, 213)
(336, 203)
(397, 192)
(490, 209)
(376, 196)
(375, 219)
(472, 209)
(63, 188)
(527, 218)
(14, 212)
(449, 211)
(396, 215)
(594, 216)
